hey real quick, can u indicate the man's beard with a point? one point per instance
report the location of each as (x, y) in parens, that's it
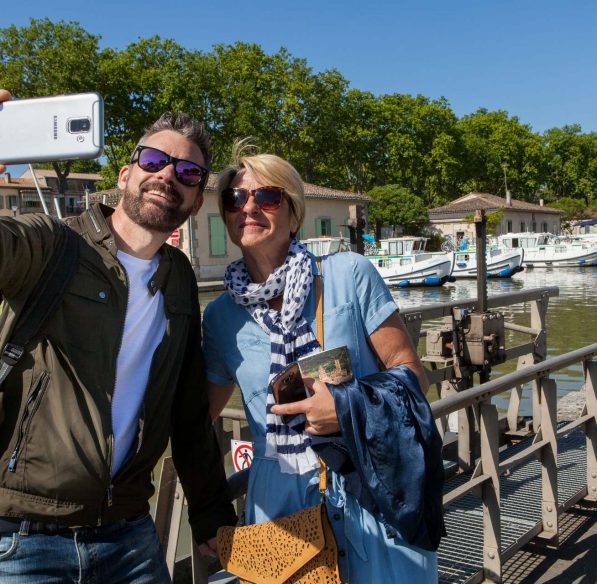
(150, 215)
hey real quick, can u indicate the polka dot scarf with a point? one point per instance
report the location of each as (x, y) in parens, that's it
(291, 338)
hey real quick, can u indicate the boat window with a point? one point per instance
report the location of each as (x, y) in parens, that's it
(527, 242)
(395, 248)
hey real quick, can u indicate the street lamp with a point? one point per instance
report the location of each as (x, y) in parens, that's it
(505, 167)
(508, 196)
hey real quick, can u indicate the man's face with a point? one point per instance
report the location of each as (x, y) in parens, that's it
(158, 201)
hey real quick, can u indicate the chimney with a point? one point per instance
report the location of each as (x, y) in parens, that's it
(7, 177)
(541, 202)
(508, 198)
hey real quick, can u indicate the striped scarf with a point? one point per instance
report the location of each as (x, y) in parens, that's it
(290, 337)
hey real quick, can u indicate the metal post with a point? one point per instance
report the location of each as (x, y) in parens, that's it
(41, 197)
(549, 460)
(492, 561)
(538, 322)
(480, 232)
(516, 394)
(591, 428)
(57, 207)
(168, 511)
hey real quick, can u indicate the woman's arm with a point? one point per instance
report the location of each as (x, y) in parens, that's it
(392, 345)
(218, 396)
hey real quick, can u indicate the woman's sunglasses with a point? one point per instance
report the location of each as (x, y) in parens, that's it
(153, 160)
(266, 198)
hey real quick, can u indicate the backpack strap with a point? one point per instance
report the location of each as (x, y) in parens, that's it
(44, 298)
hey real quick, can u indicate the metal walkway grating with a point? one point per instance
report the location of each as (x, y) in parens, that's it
(460, 555)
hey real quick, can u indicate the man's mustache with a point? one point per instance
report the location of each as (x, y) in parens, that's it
(163, 188)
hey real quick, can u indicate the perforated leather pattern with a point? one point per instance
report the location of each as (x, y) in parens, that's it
(297, 549)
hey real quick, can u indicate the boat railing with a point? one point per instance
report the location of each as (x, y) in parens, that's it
(481, 434)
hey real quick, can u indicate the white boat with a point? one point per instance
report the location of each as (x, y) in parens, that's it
(325, 245)
(544, 250)
(501, 262)
(403, 261)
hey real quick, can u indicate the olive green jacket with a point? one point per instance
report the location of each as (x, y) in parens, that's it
(56, 438)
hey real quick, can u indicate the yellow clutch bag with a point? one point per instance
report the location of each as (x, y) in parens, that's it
(298, 548)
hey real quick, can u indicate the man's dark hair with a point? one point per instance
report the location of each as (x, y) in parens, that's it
(185, 125)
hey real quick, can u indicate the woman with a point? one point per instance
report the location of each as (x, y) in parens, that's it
(264, 321)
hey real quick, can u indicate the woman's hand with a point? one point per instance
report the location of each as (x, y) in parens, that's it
(209, 548)
(4, 96)
(319, 409)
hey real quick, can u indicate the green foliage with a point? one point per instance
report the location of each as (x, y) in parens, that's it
(574, 210)
(494, 141)
(492, 221)
(395, 205)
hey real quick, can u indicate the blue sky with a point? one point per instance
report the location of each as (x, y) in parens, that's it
(535, 59)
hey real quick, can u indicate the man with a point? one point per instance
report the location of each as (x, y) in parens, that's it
(115, 372)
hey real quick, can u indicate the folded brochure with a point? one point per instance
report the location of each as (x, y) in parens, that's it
(331, 366)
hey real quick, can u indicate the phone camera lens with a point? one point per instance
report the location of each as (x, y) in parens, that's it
(79, 125)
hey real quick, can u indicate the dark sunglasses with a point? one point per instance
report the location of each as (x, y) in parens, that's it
(153, 160)
(267, 198)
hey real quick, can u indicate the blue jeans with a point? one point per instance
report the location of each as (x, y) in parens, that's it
(125, 552)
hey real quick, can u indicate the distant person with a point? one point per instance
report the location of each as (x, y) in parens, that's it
(116, 371)
(263, 322)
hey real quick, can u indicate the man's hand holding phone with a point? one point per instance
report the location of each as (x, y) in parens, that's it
(50, 129)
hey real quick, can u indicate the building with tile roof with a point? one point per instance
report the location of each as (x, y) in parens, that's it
(518, 216)
(19, 195)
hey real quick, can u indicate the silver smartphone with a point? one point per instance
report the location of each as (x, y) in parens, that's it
(43, 129)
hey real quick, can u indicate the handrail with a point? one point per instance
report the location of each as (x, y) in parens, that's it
(445, 309)
(483, 392)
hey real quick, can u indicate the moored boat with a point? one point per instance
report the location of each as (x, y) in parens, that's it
(325, 245)
(501, 263)
(544, 250)
(403, 261)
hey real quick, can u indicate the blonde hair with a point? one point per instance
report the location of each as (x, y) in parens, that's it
(272, 171)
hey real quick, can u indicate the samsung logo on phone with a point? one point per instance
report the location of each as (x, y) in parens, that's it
(55, 127)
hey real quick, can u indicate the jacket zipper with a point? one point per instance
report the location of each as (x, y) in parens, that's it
(108, 495)
(31, 406)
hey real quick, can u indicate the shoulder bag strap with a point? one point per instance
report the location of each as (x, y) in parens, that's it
(44, 298)
(323, 479)
(319, 303)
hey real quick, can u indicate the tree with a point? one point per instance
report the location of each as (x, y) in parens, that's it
(574, 210)
(394, 205)
(492, 139)
(571, 163)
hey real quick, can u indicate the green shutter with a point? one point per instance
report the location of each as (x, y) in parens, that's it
(318, 227)
(217, 236)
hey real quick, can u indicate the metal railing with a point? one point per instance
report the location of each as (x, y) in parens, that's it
(480, 433)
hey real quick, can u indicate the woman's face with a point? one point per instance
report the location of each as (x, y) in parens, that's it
(251, 228)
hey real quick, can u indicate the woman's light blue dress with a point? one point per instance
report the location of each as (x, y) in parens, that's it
(355, 302)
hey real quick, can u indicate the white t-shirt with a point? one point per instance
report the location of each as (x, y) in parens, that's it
(144, 329)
